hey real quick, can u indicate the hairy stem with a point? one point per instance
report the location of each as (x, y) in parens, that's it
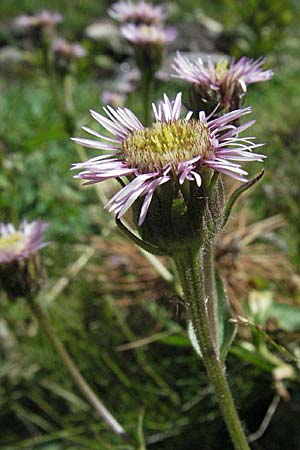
(210, 291)
(190, 268)
(92, 398)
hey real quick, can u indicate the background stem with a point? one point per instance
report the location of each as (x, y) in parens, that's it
(147, 87)
(44, 323)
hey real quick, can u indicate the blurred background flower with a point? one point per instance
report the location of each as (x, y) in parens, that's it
(139, 13)
(41, 19)
(21, 272)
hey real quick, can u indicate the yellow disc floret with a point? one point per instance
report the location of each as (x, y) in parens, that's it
(221, 70)
(13, 242)
(151, 149)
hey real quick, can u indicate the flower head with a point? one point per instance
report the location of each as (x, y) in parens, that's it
(139, 13)
(17, 244)
(68, 51)
(148, 34)
(148, 42)
(223, 81)
(42, 19)
(21, 272)
(243, 72)
(174, 150)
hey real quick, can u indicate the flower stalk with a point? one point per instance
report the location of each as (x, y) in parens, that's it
(89, 394)
(171, 179)
(210, 291)
(190, 265)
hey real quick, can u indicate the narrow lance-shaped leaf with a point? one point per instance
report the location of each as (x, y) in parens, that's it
(226, 330)
(235, 195)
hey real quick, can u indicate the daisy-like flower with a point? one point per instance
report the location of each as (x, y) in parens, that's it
(227, 81)
(244, 71)
(139, 13)
(21, 272)
(148, 34)
(148, 42)
(17, 244)
(68, 51)
(173, 150)
(42, 19)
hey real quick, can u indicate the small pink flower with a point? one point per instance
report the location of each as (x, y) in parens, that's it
(41, 19)
(140, 13)
(148, 34)
(222, 75)
(67, 50)
(19, 244)
(173, 149)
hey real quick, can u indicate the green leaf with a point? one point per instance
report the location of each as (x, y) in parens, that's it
(252, 356)
(193, 339)
(226, 330)
(288, 316)
(235, 195)
(176, 340)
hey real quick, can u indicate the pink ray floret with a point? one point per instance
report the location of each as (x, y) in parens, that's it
(225, 150)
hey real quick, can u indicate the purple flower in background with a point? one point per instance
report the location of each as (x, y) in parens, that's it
(138, 13)
(222, 83)
(115, 99)
(68, 51)
(18, 244)
(148, 42)
(173, 149)
(21, 271)
(121, 89)
(148, 34)
(222, 74)
(42, 19)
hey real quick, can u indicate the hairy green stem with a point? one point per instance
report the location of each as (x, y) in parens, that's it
(190, 268)
(210, 291)
(92, 398)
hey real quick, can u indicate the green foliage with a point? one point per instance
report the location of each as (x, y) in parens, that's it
(259, 25)
(288, 316)
(76, 13)
(276, 109)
